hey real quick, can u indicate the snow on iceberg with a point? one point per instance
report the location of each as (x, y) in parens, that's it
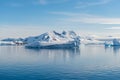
(54, 39)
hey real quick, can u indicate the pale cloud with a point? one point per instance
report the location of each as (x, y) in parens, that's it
(113, 28)
(86, 18)
(45, 2)
(65, 13)
(97, 20)
(17, 31)
(72, 14)
(16, 5)
(95, 3)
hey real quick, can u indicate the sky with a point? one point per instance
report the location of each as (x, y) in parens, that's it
(22, 18)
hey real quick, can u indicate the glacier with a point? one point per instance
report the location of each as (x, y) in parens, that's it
(53, 39)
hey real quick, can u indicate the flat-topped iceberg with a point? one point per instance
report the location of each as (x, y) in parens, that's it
(54, 39)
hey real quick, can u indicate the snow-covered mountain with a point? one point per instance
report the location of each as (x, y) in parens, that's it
(54, 39)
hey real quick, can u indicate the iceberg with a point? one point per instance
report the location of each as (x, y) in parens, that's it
(108, 43)
(6, 43)
(12, 41)
(114, 42)
(54, 39)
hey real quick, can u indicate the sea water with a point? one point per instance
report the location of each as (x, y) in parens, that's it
(89, 62)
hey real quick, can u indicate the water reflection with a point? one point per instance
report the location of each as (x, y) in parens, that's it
(116, 49)
(55, 54)
(19, 54)
(107, 48)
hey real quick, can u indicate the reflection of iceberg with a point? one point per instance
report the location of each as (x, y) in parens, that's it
(56, 54)
(54, 40)
(116, 49)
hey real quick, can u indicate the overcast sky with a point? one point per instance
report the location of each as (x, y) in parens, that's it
(21, 18)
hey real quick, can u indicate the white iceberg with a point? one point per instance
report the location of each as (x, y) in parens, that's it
(6, 43)
(54, 40)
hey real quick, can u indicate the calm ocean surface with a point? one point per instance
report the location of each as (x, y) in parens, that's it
(86, 63)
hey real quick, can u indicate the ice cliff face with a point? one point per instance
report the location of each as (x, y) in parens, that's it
(54, 39)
